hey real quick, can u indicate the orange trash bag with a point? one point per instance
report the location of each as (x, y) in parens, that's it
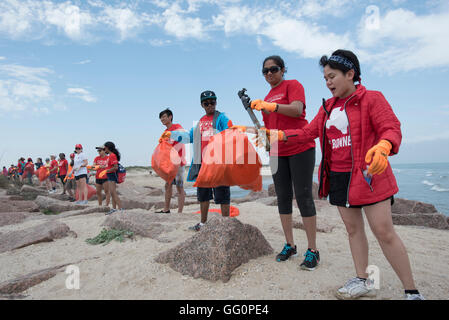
(233, 211)
(91, 191)
(43, 173)
(165, 161)
(230, 160)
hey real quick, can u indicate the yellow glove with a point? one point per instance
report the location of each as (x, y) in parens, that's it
(240, 128)
(102, 174)
(379, 156)
(263, 105)
(165, 136)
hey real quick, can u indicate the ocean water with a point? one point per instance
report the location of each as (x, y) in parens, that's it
(428, 182)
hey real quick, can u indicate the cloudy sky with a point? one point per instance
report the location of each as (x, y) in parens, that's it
(92, 71)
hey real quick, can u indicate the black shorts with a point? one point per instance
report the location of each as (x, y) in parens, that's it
(221, 195)
(338, 192)
(100, 181)
(62, 179)
(112, 176)
(81, 176)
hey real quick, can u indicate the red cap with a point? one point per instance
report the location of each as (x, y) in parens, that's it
(72, 155)
(78, 146)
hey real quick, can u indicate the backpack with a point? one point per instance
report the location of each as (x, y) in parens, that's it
(121, 174)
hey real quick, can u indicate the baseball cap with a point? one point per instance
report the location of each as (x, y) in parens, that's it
(78, 146)
(208, 95)
(100, 147)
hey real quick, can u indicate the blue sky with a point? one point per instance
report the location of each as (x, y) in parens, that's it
(92, 71)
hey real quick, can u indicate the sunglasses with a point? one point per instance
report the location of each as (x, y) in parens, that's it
(77, 148)
(272, 69)
(210, 103)
(100, 150)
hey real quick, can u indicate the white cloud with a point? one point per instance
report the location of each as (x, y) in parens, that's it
(2, 58)
(82, 94)
(83, 62)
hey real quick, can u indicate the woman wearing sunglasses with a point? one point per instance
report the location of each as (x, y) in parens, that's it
(101, 183)
(358, 128)
(291, 164)
(80, 173)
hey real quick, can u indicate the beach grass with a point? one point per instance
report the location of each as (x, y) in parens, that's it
(107, 236)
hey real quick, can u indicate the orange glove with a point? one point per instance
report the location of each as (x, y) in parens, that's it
(93, 167)
(273, 135)
(165, 136)
(102, 174)
(379, 156)
(240, 128)
(263, 105)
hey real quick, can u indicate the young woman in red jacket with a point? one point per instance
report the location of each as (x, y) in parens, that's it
(358, 130)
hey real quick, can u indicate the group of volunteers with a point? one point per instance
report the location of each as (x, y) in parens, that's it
(74, 175)
(357, 131)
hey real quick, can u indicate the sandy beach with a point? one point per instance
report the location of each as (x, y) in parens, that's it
(128, 271)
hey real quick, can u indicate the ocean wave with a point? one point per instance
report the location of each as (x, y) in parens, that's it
(428, 183)
(439, 189)
(428, 175)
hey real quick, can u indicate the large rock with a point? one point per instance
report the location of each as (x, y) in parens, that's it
(432, 220)
(7, 218)
(56, 206)
(22, 283)
(31, 193)
(18, 206)
(222, 245)
(403, 206)
(42, 233)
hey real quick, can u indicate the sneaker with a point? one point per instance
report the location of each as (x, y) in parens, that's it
(414, 296)
(111, 211)
(311, 261)
(286, 253)
(84, 202)
(353, 289)
(196, 227)
(78, 202)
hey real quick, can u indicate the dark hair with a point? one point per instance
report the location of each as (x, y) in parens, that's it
(324, 61)
(111, 146)
(62, 154)
(167, 112)
(277, 60)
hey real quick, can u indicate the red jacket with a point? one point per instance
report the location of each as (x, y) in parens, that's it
(371, 119)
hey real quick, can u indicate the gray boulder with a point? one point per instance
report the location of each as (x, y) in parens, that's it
(404, 206)
(31, 193)
(221, 246)
(56, 206)
(42, 233)
(431, 220)
(18, 206)
(7, 218)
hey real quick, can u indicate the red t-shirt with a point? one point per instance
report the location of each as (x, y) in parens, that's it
(112, 160)
(207, 130)
(101, 162)
(180, 147)
(63, 165)
(53, 166)
(337, 135)
(285, 93)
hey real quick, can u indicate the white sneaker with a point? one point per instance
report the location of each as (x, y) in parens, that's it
(354, 289)
(414, 296)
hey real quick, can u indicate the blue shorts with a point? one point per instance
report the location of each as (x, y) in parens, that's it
(112, 176)
(221, 195)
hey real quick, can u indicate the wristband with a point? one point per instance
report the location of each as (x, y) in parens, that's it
(277, 107)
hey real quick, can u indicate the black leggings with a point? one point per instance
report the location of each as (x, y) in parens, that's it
(296, 172)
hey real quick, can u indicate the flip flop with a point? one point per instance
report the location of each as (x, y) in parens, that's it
(162, 211)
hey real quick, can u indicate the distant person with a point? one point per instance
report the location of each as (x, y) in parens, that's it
(210, 124)
(101, 183)
(29, 170)
(20, 167)
(358, 131)
(71, 182)
(5, 172)
(63, 166)
(53, 173)
(38, 164)
(80, 172)
(47, 166)
(11, 172)
(111, 173)
(166, 117)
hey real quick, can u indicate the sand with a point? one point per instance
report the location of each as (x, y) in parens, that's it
(127, 270)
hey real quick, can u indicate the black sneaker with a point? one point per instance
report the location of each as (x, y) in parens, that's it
(311, 261)
(196, 227)
(286, 253)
